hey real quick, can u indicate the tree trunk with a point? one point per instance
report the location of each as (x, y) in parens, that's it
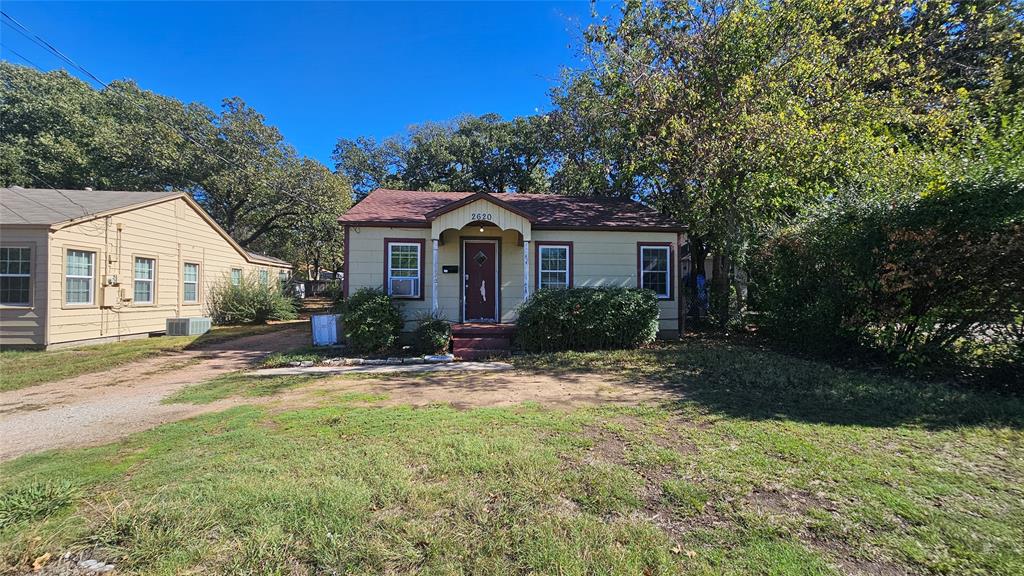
(720, 288)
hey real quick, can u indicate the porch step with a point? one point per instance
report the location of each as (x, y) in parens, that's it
(481, 354)
(475, 330)
(482, 341)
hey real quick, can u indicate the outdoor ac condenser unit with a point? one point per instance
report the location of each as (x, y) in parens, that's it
(188, 326)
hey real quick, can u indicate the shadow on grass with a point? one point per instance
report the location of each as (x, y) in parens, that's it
(748, 382)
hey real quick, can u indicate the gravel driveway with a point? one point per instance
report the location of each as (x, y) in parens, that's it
(105, 406)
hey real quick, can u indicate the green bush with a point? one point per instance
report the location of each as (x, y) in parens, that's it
(433, 335)
(587, 319)
(249, 302)
(371, 321)
(936, 283)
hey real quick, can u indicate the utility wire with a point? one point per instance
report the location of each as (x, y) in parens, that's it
(27, 33)
(19, 55)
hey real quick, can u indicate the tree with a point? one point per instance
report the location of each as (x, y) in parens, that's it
(315, 239)
(60, 132)
(472, 153)
(738, 113)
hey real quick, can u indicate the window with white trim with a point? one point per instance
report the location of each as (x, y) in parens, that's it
(554, 266)
(404, 259)
(190, 283)
(15, 276)
(264, 277)
(236, 276)
(79, 275)
(145, 275)
(655, 270)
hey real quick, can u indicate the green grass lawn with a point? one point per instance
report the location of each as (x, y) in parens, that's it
(763, 464)
(19, 369)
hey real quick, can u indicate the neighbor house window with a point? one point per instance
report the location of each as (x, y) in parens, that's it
(655, 269)
(15, 276)
(554, 261)
(264, 277)
(282, 279)
(404, 269)
(236, 276)
(145, 272)
(78, 277)
(190, 283)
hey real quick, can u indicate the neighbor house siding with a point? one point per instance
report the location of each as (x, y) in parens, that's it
(26, 325)
(171, 232)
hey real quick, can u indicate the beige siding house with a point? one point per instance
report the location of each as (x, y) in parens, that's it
(474, 258)
(84, 266)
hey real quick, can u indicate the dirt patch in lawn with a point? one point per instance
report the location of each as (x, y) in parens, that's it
(475, 389)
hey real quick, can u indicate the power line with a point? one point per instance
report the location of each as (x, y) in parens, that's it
(27, 33)
(19, 55)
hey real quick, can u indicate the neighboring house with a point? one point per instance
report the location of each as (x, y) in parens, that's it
(82, 266)
(475, 257)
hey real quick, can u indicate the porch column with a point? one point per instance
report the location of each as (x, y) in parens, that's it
(526, 270)
(433, 279)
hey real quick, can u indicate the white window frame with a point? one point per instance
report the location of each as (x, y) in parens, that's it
(27, 303)
(416, 280)
(667, 295)
(238, 281)
(185, 283)
(540, 263)
(136, 280)
(91, 277)
(264, 276)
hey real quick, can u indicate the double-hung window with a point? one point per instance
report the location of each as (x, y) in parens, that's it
(15, 276)
(190, 283)
(236, 276)
(79, 276)
(145, 274)
(405, 265)
(264, 277)
(554, 261)
(655, 271)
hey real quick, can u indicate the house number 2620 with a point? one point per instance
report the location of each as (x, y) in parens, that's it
(481, 216)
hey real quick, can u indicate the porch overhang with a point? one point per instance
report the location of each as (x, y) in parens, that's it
(478, 209)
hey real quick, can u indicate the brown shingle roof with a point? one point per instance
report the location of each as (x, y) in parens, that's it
(551, 211)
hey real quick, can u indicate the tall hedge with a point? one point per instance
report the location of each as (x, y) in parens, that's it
(936, 283)
(587, 319)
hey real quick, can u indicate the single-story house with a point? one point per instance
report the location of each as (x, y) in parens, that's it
(475, 257)
(85, 266)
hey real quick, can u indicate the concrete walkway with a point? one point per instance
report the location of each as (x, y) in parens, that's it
(388, 368)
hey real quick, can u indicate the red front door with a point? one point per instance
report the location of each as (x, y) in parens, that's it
(481, 290)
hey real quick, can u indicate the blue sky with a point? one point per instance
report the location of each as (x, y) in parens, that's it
(319, 71)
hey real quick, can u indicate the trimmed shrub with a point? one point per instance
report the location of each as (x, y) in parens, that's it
(587, 319)
(371, 321)
(250, 302)
(433, 335)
